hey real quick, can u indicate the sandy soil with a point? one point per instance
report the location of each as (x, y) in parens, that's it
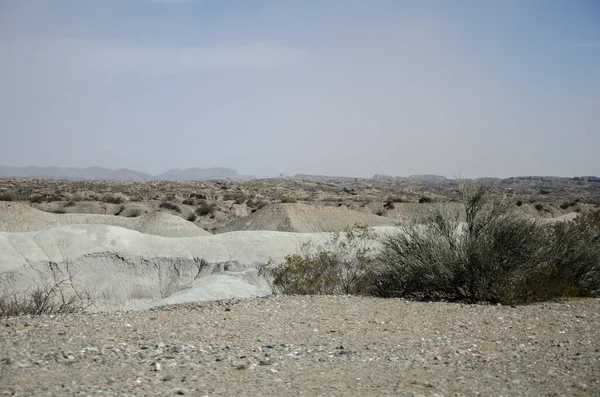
(309, 346)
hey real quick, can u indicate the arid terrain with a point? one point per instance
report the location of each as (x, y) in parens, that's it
(308, 346)
(149, 257)
(214, 205)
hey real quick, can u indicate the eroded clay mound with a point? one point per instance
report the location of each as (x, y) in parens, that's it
(19, 217)
(305, 218)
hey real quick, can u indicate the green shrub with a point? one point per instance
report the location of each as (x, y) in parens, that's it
(497, 256)
(287, 199)
(539, 207)
(342, 266)
(113, 199)
(238, 197)
(189, 202)
(425, 200)
(169, 206)
(205, 209)
(192, 217)
(35, 198)
(7, 196)
(577, 252)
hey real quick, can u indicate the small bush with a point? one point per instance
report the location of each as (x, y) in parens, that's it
(287, 199)
(539, 207)
(7, 196)
(70, 204)
(134, 213)
(344, 265)
(205, 209)
(45, 299)
(113, 199)
(189, 202)
(425, 200)
(169, 206)
(35, 198)
(238, 197)
(38, 198)
(519, 203)
(192, 217)
(566, 205)
(59, 211)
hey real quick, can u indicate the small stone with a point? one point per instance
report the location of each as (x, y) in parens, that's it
(168, 378)
(157, 367)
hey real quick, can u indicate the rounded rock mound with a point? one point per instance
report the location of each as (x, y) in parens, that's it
(20, 217)
(305, 218)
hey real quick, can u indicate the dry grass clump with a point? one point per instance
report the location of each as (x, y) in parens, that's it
(43, 299)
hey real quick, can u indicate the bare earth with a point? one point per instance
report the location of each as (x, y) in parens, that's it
(309, 346)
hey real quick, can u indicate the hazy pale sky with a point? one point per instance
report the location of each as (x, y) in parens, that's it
(337, 87)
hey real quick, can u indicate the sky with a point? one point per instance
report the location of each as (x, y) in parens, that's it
(331, 87)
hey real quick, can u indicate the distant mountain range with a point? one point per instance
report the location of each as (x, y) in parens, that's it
(205, 174)
(123, 174)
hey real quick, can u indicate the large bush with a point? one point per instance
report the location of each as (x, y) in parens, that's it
(496, 256)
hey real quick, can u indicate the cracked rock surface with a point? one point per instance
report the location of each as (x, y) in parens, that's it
(308, 346)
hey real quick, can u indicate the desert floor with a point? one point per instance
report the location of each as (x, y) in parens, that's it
(309, 346)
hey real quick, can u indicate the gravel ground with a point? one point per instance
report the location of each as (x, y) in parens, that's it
(309, 346)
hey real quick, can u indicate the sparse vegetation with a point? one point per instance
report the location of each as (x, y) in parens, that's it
(113, 199)
(287, 199)
(169, 206)
(206, 209)
(344, 265)
(237, 197)
(43, 299)
(134, 213)
(37, 198)
(7, 196)
(496, 256)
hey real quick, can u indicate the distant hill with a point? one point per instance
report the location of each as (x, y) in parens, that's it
(123, 175)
